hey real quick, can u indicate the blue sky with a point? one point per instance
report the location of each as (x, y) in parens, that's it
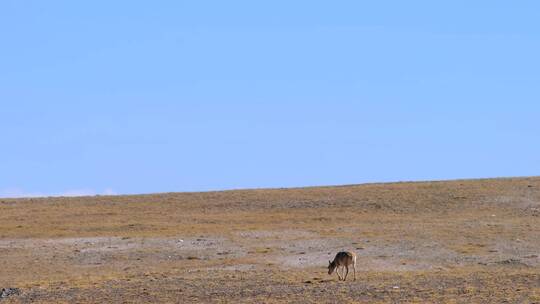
(135, 97)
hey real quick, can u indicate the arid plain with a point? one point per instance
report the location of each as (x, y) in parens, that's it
(463, 241)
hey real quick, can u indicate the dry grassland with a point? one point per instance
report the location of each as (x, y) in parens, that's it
(465, 241)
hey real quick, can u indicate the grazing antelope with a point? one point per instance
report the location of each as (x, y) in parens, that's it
(343, 259)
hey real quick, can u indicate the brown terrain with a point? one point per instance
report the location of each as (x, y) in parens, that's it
(463, 241)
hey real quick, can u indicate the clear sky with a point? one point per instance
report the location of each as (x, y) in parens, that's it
(155, 96)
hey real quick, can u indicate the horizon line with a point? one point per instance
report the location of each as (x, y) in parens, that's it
(272, 188)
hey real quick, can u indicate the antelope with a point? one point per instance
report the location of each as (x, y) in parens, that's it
(343, 259)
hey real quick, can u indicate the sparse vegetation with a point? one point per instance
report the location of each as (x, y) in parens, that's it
(455, 241)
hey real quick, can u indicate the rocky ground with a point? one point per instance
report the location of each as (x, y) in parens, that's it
(469, 241)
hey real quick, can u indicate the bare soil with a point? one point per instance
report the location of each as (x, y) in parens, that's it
(464, 241)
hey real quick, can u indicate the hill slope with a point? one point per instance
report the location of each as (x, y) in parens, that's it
(468, 240)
